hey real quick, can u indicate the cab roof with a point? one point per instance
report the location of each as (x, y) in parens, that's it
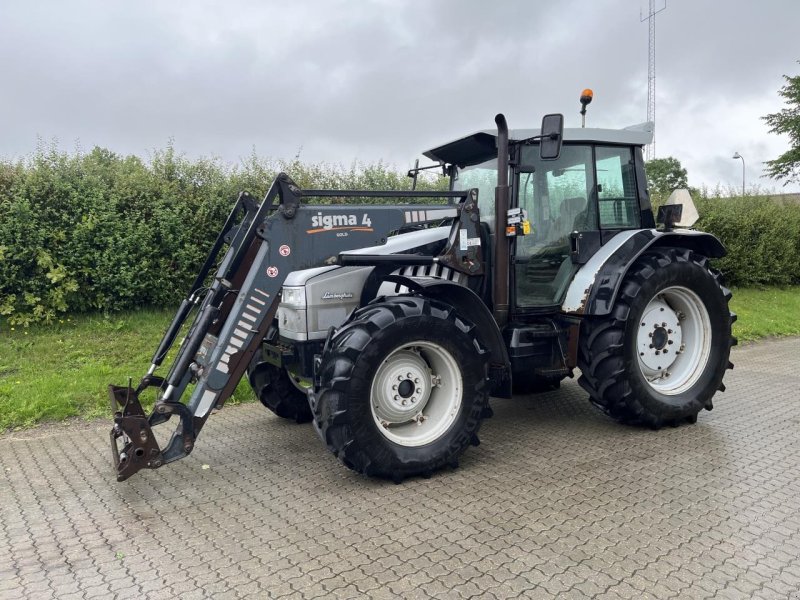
(482, 145)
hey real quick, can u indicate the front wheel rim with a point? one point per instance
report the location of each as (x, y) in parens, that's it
(673, 340)
(416, 394)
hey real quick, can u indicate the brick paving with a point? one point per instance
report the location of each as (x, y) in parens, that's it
(557, 501)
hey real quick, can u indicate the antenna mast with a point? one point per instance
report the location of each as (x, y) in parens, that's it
(650, 150)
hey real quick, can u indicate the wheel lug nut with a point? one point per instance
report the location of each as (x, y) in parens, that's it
(658, 352)
(644, 324)
(416, 380)
(404, 402)
(394, 387)
(641, 353)
(419, 391)
(409, 375)
(670, 342)
(663, 324)
(650, 334)
(669, 330)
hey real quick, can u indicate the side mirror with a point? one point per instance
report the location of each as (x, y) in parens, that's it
(551, 137)
(669, 215)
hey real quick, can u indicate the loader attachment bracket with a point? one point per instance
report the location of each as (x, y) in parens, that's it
(139, 446)
(140, 449)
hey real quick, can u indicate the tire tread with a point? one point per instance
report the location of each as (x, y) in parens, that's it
(338, 369)
(601, 348)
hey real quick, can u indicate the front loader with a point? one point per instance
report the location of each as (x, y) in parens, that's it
(390, 326)
(265, 243)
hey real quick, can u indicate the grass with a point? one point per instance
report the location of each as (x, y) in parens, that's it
(766, 312)
(50, 373)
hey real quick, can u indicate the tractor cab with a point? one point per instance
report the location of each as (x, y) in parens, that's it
(593, 190)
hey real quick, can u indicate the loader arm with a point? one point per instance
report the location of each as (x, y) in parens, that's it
(265, 243)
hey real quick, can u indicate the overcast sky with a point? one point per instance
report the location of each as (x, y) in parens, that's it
(359, 80)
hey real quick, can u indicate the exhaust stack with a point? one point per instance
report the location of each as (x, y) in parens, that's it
(501, 262)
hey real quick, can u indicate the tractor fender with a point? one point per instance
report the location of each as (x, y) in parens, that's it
(469, 305)
(594, 288)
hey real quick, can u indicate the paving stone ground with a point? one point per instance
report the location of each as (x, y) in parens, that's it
(558, 501)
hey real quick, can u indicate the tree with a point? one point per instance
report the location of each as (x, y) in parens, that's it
(787, 165)
(665, 175)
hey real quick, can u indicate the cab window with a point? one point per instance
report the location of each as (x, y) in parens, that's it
(557, 196)
(618, 207)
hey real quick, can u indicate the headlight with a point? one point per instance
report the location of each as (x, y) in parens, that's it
(294, 296)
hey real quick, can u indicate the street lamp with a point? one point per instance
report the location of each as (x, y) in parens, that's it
(737, 155)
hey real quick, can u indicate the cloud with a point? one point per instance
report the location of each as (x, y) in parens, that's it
(387, 79)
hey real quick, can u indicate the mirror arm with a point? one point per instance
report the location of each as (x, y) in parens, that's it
(535, 138)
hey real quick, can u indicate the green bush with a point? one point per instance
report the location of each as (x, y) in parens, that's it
(761, 234)
(100, 231)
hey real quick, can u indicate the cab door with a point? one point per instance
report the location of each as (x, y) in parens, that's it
(559, 197)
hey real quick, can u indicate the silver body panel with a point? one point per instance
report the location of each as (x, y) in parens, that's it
(332, 293)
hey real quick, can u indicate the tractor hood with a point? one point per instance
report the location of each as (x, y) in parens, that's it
(403, 243)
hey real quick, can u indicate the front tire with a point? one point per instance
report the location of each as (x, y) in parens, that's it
(403, 388)
(276, 391)
(661, 354)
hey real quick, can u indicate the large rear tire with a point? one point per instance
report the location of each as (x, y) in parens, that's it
(403, 388)
(660, 356)
(276, 391)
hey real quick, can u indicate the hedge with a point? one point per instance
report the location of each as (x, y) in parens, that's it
(761, 234)
(105, 232)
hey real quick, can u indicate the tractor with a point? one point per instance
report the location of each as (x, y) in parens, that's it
(390, 326)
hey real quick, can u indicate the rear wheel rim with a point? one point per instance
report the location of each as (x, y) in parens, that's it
(416, 394)
(673, 340)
